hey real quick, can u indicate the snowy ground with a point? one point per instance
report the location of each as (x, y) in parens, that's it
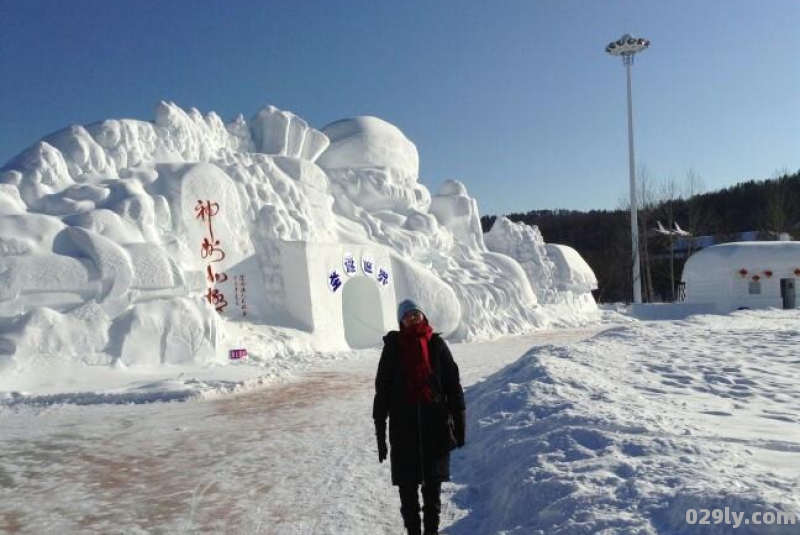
(625, 432)
(604, 430)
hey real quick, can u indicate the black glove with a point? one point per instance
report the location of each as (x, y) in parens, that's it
(380, 434)
(460, 427)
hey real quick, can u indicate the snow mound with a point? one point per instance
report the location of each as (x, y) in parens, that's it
(562, 442)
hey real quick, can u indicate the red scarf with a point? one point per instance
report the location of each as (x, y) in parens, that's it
(416, 361)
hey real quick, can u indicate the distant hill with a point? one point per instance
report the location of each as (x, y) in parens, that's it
(602, 237)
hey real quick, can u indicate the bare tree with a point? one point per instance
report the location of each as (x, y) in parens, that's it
(669, 195)
(647, 201)
(778, 207)
(693, 188)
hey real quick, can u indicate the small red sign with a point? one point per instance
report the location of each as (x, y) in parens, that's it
(237, 354)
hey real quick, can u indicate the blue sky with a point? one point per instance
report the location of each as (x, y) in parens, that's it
(515, 98)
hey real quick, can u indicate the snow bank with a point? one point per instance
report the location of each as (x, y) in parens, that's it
(158, 224)
(612, 436)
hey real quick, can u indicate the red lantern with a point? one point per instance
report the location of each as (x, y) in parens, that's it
(768, 273)
(743, 272)
(756, 278)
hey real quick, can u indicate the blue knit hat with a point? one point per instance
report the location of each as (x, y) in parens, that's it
(406, 306)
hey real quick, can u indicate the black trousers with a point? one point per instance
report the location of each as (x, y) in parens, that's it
(431, 506)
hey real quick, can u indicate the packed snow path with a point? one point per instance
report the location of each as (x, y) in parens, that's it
(621, 432)
(297, 458)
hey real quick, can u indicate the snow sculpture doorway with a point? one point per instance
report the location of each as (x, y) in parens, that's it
(362, 313)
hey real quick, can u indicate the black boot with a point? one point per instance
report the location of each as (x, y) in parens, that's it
(409, 508)
(432, 508)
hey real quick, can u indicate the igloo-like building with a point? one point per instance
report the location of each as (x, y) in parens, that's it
(732, 276)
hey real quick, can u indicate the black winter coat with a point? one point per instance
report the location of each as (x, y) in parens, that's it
(420, 434)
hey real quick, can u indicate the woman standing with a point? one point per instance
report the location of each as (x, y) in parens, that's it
(418, 388)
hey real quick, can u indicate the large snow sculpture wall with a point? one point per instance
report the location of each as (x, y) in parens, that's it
(163, 230)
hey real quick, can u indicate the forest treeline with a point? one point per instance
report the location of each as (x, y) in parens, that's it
(767, 207)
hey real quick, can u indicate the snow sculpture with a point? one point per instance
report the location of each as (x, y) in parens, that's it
(457, 211)
(157, 231)
(525, 244)
(53, 338)
(373, 163)
(370, 142)
(557, 273)
(575, 279)
(285, 134)
(150, 334)
(45, 172)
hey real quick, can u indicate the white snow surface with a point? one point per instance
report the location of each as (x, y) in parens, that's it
(625, 432)
(121, 237)
(614, 429)
(592, 428)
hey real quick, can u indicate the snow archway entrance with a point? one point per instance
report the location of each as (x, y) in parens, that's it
(362, 313)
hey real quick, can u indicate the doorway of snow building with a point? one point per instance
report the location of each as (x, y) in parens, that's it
(362, 313)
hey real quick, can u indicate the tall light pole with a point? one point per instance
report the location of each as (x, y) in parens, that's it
(626, 46)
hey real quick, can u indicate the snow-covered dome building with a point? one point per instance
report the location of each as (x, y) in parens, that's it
(732, 276)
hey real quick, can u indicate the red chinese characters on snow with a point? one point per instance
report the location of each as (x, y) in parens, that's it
(213, 277)
(205, 211)
(211, 252)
